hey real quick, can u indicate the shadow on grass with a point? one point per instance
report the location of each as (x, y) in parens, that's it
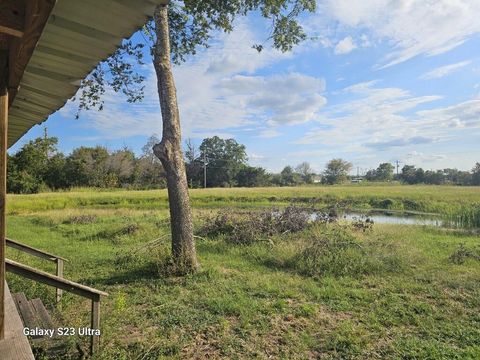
(142, 272)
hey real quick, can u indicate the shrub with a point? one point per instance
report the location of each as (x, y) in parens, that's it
(363, 223)
(462, 253)
(250, 227)
(386, 203)
(409, 204)
(335, 250)
(81, 219)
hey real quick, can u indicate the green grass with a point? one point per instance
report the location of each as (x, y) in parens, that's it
(397, 297)
(424, 198)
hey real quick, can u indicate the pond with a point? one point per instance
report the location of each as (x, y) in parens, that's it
(395, 218)
(386, 217)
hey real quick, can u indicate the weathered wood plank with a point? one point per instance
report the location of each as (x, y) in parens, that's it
(26, 310)
(53, 280)
(12, 17)
(37, 13)
(95, 340)
(15, 346)
(59, 274)
(45, 320)
(3, 180)
(33, 251)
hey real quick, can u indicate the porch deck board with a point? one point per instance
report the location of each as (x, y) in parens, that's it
(15, 346)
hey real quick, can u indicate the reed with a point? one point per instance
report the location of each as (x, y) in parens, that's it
(467, 217)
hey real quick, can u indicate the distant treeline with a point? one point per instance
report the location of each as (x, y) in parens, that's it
(40, 166)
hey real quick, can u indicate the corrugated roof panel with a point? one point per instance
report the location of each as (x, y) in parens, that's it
(78, 35)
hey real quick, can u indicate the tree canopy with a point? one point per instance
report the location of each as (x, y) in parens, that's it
(191, 25)
(337, 171)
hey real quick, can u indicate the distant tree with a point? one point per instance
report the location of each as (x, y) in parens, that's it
(56, 176)
(193, 164)
(434, 177)
(250, 176)
(288, 177)
(149, 171)
(120, 166)
(225, 158)
(384, 172)
(476, 174)
(337, 171)
(87, 166)
(371, 175)
(305, 171)
(147, 149)
(409, 174)
(419, 176)
(29, 167)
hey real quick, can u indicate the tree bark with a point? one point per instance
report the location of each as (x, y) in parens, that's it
(169, 150)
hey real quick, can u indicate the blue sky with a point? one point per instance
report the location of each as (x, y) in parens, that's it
(379, 81)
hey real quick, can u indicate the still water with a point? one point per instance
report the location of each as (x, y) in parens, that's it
(388, 218)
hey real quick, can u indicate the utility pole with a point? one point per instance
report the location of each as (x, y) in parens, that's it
(45, 137)
(398, 165)
(204, 169)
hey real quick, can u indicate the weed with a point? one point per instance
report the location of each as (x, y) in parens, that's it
(250, 227)
(362, 223)
(466, 217)
(462, 253)
(81, 219)
(334, 249)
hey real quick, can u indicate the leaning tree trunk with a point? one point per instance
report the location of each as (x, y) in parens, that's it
(169, 150)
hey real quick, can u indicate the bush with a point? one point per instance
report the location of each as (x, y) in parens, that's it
(386, 203)
(412, 205)
(335, 250)
(250, 227)
(81, 219)
(462, 253)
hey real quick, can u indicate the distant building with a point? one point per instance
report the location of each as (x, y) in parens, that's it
(317, 179)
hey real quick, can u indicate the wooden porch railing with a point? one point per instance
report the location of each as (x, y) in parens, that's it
(44, 255)
(58, 282)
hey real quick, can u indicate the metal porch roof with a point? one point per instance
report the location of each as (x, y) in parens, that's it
(78, 35)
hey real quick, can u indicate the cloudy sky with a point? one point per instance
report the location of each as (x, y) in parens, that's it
(379, 81)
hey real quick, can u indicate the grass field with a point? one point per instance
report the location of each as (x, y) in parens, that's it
(396, 295)
(418, 198)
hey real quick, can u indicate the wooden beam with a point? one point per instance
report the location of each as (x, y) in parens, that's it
(33, 251)
(53, 280)
(3, 181)
(37, 13)
(12, 17)
(15, 345)
(95, 324)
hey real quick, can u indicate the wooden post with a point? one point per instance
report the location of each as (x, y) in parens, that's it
(95, 340)
(59, 274)
(3, 197)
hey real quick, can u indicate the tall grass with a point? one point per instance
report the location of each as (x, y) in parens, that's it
(422, 198)
(466, 217)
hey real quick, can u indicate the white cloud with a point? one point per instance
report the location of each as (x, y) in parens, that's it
(417, 157)
(375, 117)
(214, 97)
(462, 115)
(399, 142)
(345, 46)
(442, 71)
(413, 27)
(269, 133)
(377, 120)
(278, 99)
